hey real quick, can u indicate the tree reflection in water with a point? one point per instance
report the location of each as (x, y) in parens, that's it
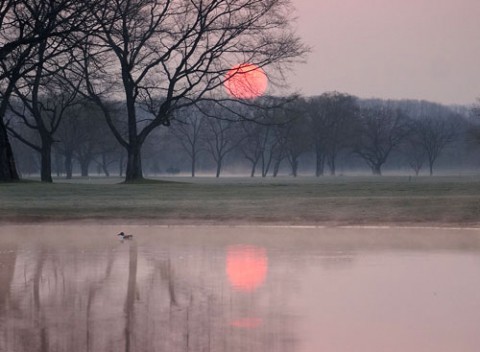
(75, 288)
(129, 297)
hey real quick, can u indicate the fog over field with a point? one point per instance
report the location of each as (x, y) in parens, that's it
(331, 134)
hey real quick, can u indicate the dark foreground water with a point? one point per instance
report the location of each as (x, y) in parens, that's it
(79, 288)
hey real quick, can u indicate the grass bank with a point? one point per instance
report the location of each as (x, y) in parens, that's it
(445, 201)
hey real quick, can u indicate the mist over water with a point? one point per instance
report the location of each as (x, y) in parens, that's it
(80, 288)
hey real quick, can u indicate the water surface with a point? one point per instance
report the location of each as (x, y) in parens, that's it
(80, 288)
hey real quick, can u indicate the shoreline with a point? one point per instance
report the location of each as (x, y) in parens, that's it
(175, 222)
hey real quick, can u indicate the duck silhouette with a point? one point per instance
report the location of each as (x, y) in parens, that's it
(125, 236)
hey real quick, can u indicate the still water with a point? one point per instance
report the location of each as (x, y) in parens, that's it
(80, 288)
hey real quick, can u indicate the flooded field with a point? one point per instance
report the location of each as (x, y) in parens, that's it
(81, 288)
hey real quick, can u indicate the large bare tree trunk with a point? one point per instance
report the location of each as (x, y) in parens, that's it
(193, 164)
(8, 169)
(377, 169)
(46, 169)
(219, 168)
(254, 166)
(134, 164)
(294, 165)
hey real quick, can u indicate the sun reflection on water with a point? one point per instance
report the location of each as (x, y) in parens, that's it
(246, 267)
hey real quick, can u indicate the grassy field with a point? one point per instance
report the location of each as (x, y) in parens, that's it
(424, 201)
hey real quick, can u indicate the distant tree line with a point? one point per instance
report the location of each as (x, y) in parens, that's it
(307, 135)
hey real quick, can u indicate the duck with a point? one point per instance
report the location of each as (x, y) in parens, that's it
(124, 236)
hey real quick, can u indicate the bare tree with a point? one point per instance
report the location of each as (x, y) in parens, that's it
(473, 129)
(293, 133)
(296, 145)
(107, 156)
(220, 138)
(190, 123)
(263, 134)
(70, 135)
(331, 117)
(279, 153)
(270, 149)
(254, 143)
(86, 152)
(380, 129)
(415, 156)
(164, 55)
(43, 99)
(317, 120)
(435, 133)
(24, 24)
(84, 135)
(8, 169)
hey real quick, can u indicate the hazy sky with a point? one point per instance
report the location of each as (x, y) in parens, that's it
(418, 49)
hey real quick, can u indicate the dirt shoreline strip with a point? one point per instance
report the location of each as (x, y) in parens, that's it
(178, 222)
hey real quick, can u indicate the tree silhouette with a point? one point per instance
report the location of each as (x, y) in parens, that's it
(24, 25)
(380, 130)
(161, 55)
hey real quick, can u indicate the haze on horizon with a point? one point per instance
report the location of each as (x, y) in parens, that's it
(398, 49)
